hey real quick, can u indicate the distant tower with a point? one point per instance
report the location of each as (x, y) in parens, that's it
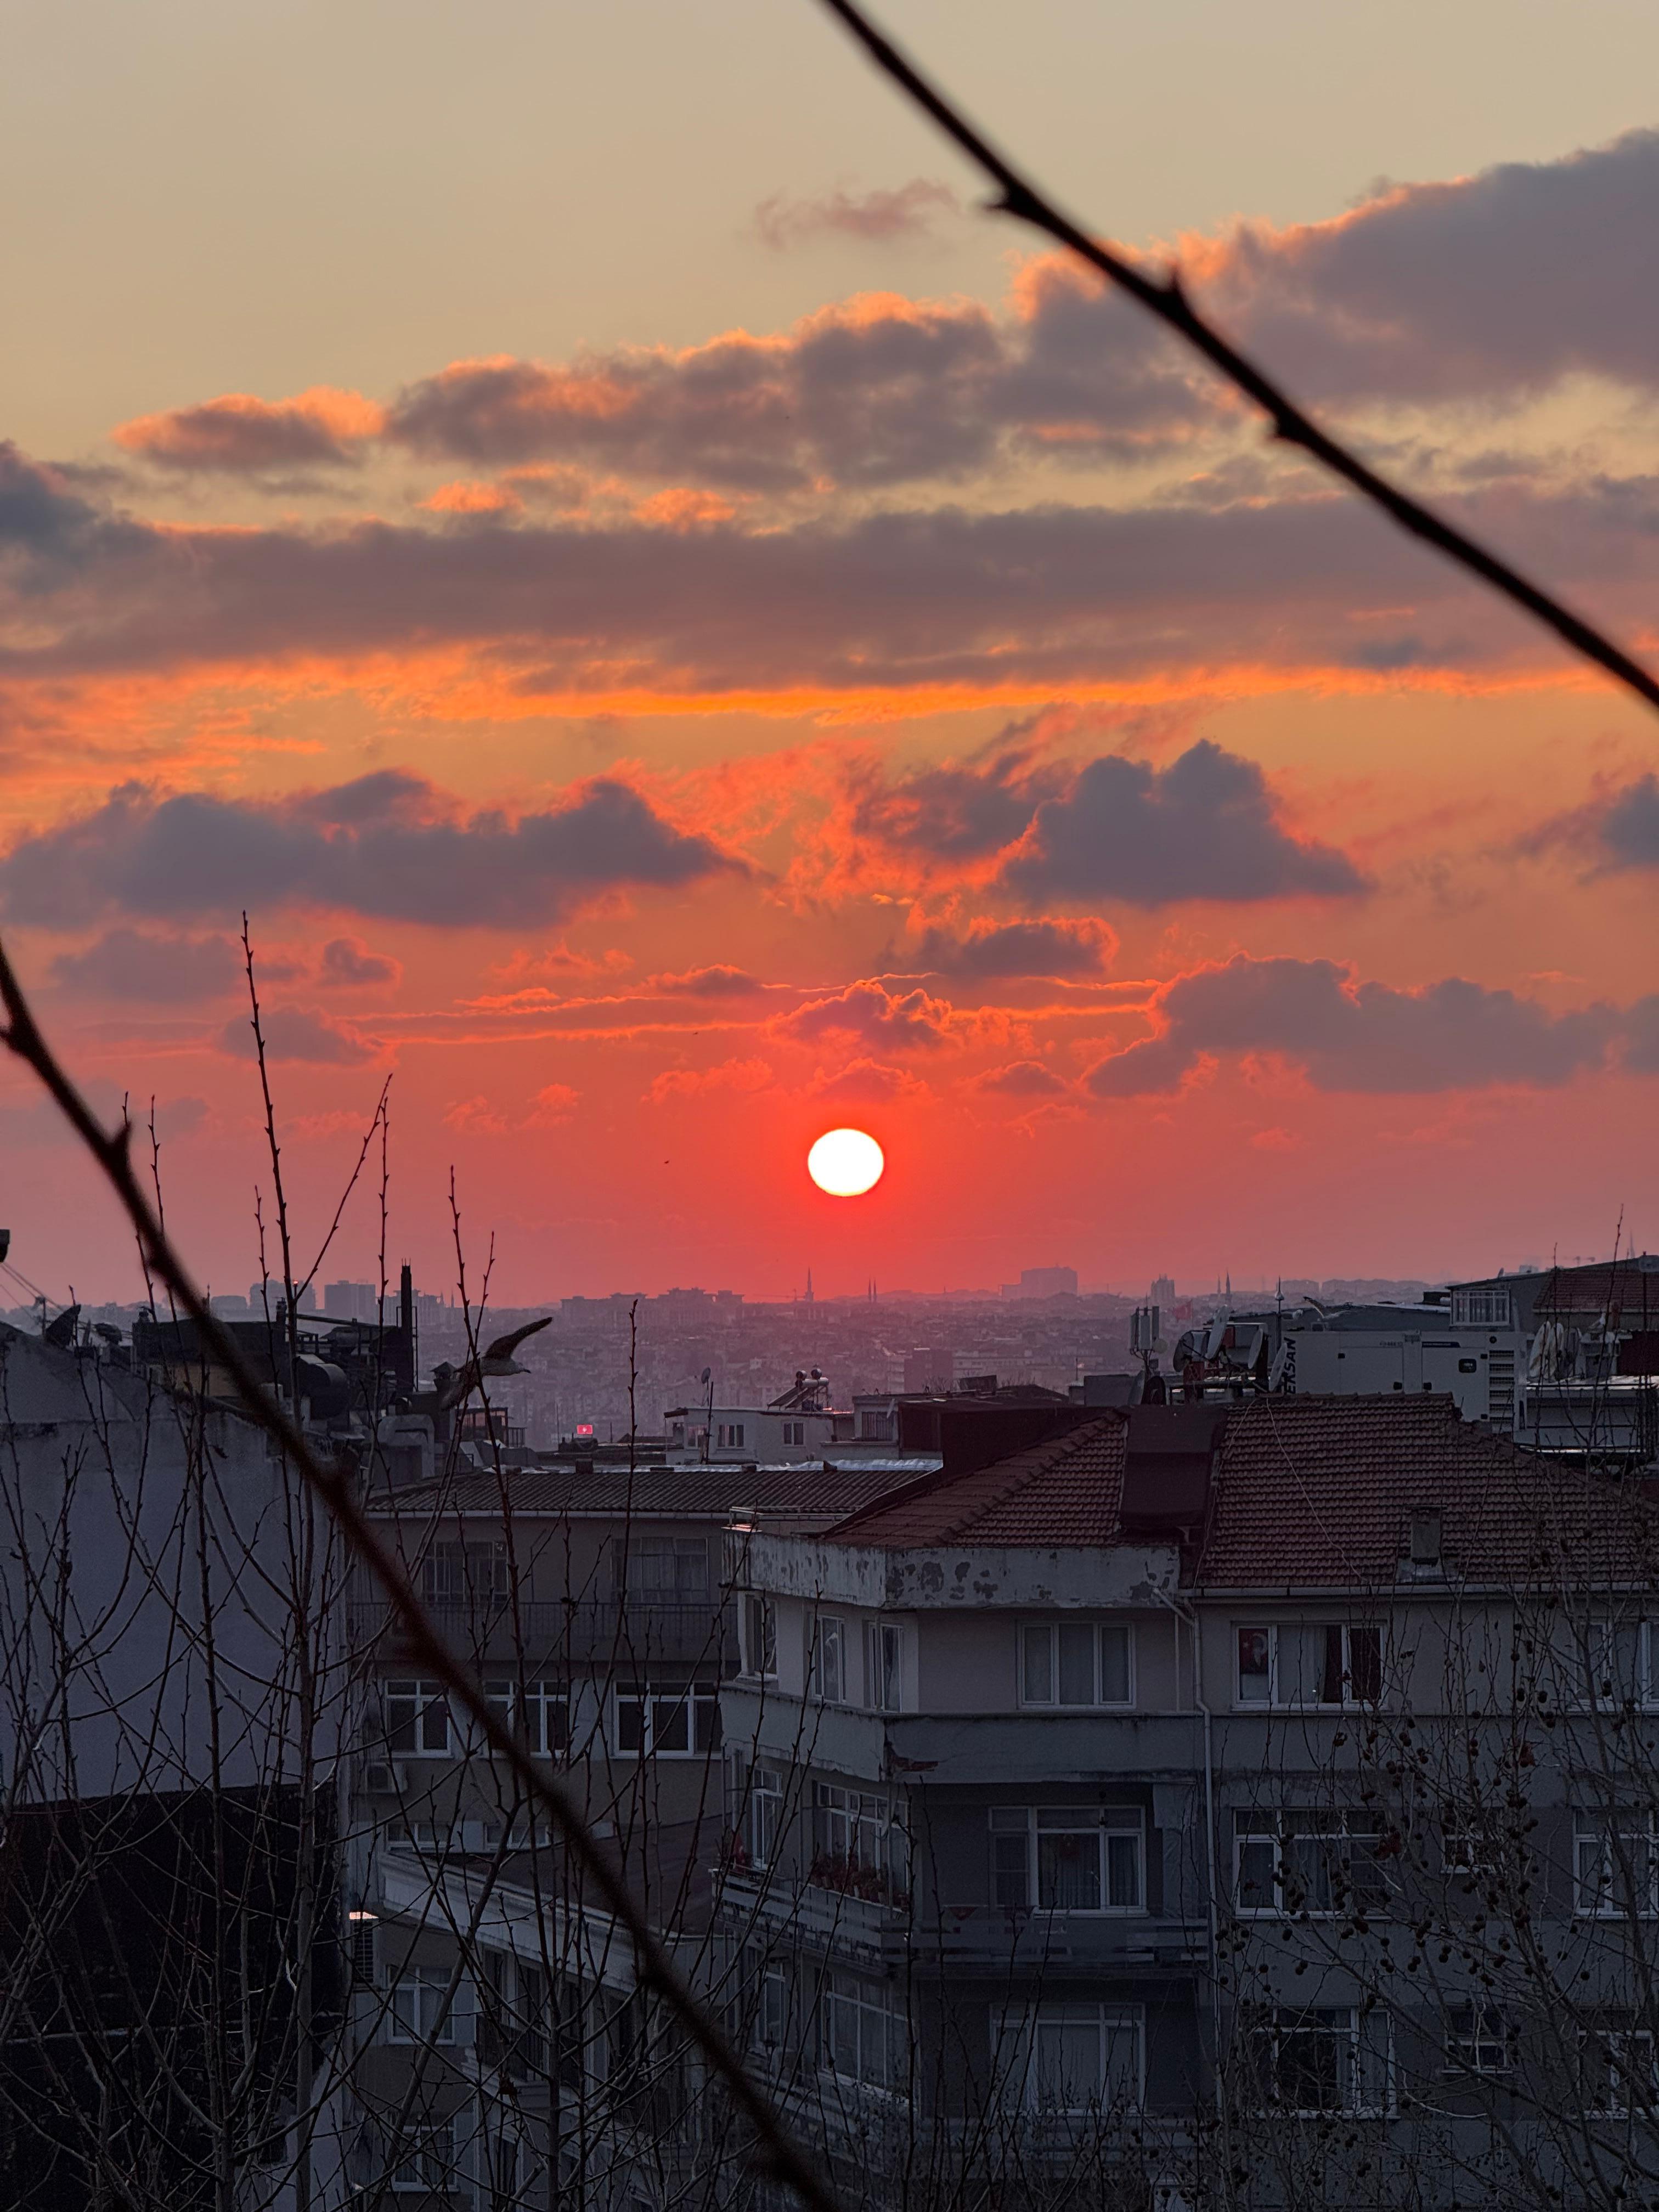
(808, 1286)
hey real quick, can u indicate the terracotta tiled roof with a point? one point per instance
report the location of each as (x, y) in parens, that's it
(1064, 1492)
(1316, 1492)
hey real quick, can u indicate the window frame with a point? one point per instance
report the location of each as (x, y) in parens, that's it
(686, 1557)
(826, 1630)
(1489, 2028)
(525, 1708)
(1277, 1700)
(876, 2011)
(1009, 1824)
(882, 1637)
(757, 1622)
(700, 1702)
(1288, 2021)
(1030, 1630)
(424, 1698)
(1639, 1827)
(448, 2028)
(1614, 2068)
(1353, 1825)
(1018, 2044)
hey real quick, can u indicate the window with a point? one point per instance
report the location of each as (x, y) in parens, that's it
(451, 1574)
(661, 1568)
(728, 1435)
(765, 1818)
(424, 2158)
(858, 1844)
(1319, 1863)
(883, 1661)
(795, 1434)
(1068, 1858)
(863, 2036)
(1477, 2041)
(1076, 1662)
(827, 1667)
(1324, 2061)
(416, 1718)
(422, 2010)
(360, 1927)
(1329, 1663)
(540, 1711)
(1482, 1309)
(682, 1722)
(1074, 2058)
(1615, 1864)
(757, 1627)
(1466, 1845)
(772, 2009)
(1619, 2070)
(1605, 1663)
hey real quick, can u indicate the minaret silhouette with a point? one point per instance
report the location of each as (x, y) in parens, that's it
(808, 1286)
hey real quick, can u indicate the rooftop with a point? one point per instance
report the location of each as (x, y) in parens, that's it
(1275, 1491)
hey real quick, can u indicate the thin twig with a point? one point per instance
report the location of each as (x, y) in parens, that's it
(1019, 197)
(333, 1486)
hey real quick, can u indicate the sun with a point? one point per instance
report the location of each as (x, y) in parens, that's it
(845, 1162)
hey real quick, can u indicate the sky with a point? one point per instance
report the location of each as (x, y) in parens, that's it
(681, 630)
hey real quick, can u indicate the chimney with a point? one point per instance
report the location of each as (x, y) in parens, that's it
(405, 1378)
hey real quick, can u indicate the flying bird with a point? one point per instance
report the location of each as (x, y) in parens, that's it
(495, 1359)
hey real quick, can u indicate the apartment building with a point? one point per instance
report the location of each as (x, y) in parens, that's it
(505, 2051)
(1249, 1803)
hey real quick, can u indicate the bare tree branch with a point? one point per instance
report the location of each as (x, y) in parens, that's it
(1019, 197)
(775, 2148)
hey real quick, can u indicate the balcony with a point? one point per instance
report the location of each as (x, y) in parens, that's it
(554, 1633)
(958, 1939)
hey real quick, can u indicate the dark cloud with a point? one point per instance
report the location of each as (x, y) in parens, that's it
(386, 845)
(297, 1033)
(51, 529)
(238, 435)
(1047, 596)
(1348, 1036)
(1204, 828)
(1495, 285)
(883, 1020)
(1021, 1078)
(141, 964)
(875, 390)
(1000, 949)
(349, 964)
(719, 982)
(1490, 287)
(1625, 827)
(900, 212)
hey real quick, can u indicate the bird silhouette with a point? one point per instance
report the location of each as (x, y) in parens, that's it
(495, 1359)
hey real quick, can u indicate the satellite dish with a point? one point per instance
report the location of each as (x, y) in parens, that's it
(707, 1375)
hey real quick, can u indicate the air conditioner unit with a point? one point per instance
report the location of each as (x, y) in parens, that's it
(379, 1779)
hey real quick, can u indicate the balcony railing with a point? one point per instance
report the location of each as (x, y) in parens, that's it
(581, 1631)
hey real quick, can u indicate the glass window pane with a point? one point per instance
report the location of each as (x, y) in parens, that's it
(1068, 1870)
(1076, 1639)
(1114, 1663)
(1333, 1688)
(1255, 1666)
(671, 1723)
(1037, 1662)
(1123, 1871)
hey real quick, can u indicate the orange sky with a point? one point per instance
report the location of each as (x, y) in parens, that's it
(933, 709)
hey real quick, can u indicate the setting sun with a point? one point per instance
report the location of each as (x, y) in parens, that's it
(845, 1162)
